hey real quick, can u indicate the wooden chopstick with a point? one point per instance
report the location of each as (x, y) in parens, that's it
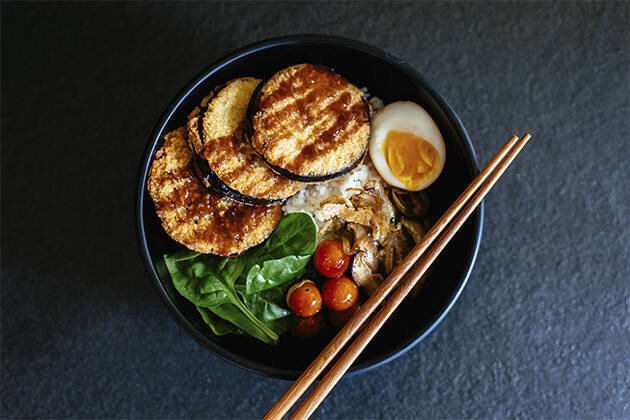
(345, 361)
(282, 406)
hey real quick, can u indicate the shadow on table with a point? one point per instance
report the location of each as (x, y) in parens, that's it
(69, 245)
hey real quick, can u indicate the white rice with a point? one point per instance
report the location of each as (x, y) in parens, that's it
(376, 103)
(308, 200)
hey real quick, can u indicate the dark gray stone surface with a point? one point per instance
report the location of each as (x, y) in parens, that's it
(541, 331)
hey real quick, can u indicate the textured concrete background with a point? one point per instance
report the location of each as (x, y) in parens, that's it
(541, 331)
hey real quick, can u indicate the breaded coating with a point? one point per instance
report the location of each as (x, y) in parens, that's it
(309, 123)
(229, 162)
(197, 217)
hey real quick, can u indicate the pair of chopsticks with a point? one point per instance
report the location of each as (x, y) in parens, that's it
(468, 201)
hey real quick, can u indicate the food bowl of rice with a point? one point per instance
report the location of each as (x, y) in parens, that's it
(361, 201)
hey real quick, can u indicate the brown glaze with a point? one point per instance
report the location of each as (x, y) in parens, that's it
(218, 148)
(323, 85)
(201, 218)
(326, 139)
(219, 151)
(227, 222)
(232, 166)
(312, 97)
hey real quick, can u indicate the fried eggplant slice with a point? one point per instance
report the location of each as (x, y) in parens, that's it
(309, 123)
(224, 157)
(197, 217)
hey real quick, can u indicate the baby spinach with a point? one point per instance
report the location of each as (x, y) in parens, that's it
(295, 235)
(284, 256)
(218, 325)
(246, 294)
(274, 273)
(208, 282)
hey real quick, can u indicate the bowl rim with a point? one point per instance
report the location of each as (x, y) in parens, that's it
(254, 366)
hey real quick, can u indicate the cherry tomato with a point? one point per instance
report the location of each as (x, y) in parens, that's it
(308, 327)
(339, 294)
(330, 260)
(304, 298)
(340, 318)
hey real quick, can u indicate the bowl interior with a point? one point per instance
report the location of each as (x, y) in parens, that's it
(390, 80)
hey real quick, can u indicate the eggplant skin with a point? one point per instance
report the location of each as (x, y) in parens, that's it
(211, 180)
(207, 175)
(199, 218)
(316, 178)
(225, 159)
(308, 123)
(252, 108)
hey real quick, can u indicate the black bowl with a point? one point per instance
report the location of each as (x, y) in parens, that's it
(388, 78)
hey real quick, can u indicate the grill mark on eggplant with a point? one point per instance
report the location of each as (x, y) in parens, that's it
(277, 121)
(214, 181)
(200, 218)
(324, 139)
(303, 102)
(230, 162)
(284, 126)
(317, 178)
(238, 174)
(211, 180)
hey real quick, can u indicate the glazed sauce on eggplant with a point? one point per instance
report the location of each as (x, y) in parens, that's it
(220, 152)
(304, 92)
(211, 217)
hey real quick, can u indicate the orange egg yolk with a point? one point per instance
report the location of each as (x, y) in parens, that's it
(412, 159)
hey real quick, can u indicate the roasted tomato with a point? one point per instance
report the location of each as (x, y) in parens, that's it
(340, 318)
(304, 298)
(330, 260)
(308, 327)
(340, 293)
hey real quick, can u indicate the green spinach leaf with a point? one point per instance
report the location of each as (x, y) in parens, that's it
(208, 282)
(296, 234)
(185, 254)
(284, 256)
(270, 307)
(275, 272)
(246, 294)
(218, 325)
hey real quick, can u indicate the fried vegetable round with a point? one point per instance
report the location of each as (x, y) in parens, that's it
(199, 218)
(309, 123)
(227, 161)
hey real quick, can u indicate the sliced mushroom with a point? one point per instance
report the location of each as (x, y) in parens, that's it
(363, 240)
(348, 214)
(364, 272)
(414, 228)
(374, 198)
(396, 248)
(413, 204)
(366, 260)
(331, 230)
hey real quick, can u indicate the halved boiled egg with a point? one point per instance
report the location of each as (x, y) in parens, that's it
(406, 146)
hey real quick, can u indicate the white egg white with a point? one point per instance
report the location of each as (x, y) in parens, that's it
(407, 117)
